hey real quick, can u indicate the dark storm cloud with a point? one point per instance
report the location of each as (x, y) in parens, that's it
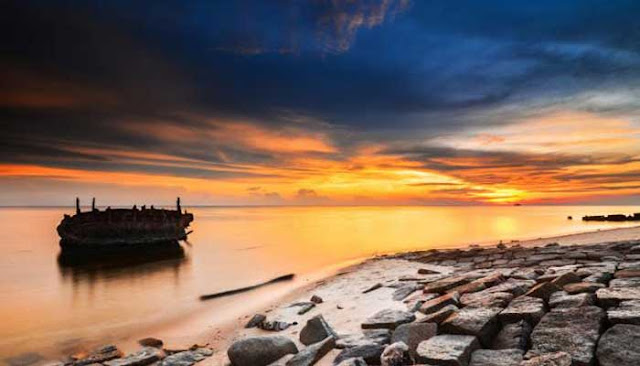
(77, 73)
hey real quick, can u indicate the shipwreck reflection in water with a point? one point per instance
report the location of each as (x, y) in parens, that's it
(129, 265)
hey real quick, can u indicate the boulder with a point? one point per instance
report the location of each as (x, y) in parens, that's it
(543, 290)
(256, 320)
(582, 287)
(609, 296)
(260, 351)
(367, 337)
(414, 333)
(185, 358)
(487, 299)
(627, 273)
(489, 357)
(370, 354)
(445, 284)
(396, 354)
(145, 356)
(549, 359)
(620, 346)
(479, 322)
(438, 303)
(625, 282)
(571, 330)
(388, 319)
(447, 349)
(513, 336)
(313, 353)
(440, 315)
(565, 279)
(316, 330)
(562, 299)
(530, 309)
(628, 312)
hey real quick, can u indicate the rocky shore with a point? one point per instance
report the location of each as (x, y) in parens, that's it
(498, 306)
(507, 305)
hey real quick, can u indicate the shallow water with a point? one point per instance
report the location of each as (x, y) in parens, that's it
(46, 306)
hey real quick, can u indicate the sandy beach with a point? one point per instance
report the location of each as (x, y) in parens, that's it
(345, 307)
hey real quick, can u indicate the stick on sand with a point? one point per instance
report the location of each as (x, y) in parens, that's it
(286, 277)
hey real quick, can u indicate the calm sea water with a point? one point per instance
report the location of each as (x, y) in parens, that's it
(46, 306)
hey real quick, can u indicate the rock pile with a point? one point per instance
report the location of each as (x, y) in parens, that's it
(499, 306)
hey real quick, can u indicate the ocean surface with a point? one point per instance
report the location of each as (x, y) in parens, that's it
(47, 306)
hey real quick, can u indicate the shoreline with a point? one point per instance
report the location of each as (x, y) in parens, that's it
(234, 329)
(350, 277)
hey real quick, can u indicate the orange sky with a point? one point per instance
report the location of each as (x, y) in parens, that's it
(562, 157)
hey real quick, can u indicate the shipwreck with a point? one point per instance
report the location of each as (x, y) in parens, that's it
(123, 228)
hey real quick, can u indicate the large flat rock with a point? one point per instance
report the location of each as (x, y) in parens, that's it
(447, 350)
(571, 330)
(612, 296)
(440, 302)
(620, 346)
(388, 319)
(529, 309)
(628, 312)
(445, 284)
(489, 357)
(561, 299)
(413, 334)
(479, 322)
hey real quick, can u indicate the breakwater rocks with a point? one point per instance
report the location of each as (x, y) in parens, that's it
(499, 306)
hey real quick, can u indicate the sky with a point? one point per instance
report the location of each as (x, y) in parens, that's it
(320, 102)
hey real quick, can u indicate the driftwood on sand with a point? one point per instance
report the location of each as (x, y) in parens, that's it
(286, 277)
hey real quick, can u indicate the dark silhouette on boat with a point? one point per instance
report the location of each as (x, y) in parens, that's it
(617, 217)
(115, 231)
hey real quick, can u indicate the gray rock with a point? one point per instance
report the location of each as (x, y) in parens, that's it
(372, 288)
(620, 346)
(184, 358)
(403, 291)
(99, 355)
(260, 351)
(582, 287)
(571, 330)
(369, 353)
(561, 299)
(489, 357)
(396, 354)
(359, 361)
(513, 336)
(628, 312)
(256, 320)
(367, 337)
(543, 290)
(313, 353)
(440, 315)
(565, 279)
(388, 319)
(438, 303)
(414, 333)
(530, 309)
(447, 350)
(316, 299)
(625, 282)
(549, 359)
(445, 284)
(479, 322)
(304, 306)
(608, 297)
(145, 356)
(316, 330)
(487, 299)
